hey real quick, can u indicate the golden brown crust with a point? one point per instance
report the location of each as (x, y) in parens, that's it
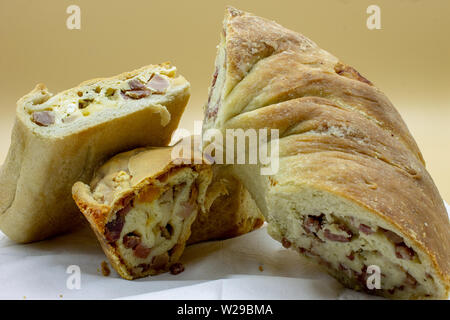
(91, 209)
(250, 39)
(254, 43)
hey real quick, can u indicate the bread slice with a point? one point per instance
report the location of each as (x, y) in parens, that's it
(59, 139)
(141, 205)
(351, 192)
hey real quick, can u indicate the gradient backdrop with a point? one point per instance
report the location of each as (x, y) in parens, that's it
(409, 58)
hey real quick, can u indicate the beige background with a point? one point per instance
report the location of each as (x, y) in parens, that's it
(409, 59)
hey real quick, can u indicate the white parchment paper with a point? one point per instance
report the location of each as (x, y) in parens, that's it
(229, 269)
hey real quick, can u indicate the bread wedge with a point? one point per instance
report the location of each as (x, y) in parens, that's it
(60, 139)
(142, 204)
(351, 191)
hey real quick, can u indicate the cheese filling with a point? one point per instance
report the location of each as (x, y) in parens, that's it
(157, 223)
(73, 105)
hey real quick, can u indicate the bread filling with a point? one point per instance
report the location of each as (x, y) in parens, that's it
(73, 105)
(347, 245)
(155, 222)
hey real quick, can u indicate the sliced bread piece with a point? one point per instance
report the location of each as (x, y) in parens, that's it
(351, 191)
(60, 139)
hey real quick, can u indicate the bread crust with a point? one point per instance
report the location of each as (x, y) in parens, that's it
(42, 164)
(338, 132)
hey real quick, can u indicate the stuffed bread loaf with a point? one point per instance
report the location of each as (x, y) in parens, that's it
(352, 190)
(59, 139)
(141, 205)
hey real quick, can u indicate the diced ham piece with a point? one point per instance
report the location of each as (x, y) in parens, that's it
(365, 229)
(122, 93)
(43, 118)
(311, 224)
(392, 236)
(114, 228)
(137, 90)
(361, 276)
(176, 268)
(188, 207)
(338, 237)
(141, 251)
(135, 84)
(286, 243)
(131, 241)
(158, 84)
(402, 251)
